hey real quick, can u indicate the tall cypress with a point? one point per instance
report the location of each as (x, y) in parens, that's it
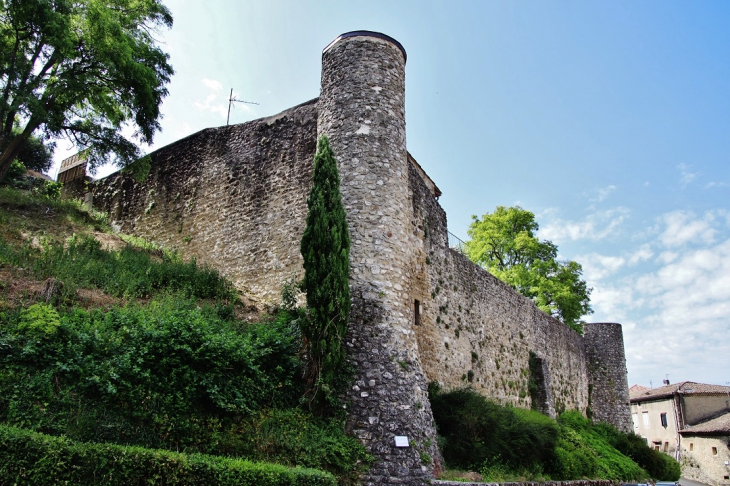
(325, 248)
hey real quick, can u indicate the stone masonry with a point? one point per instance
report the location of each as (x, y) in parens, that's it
(362, 111)
(609, 388)
(234, 198)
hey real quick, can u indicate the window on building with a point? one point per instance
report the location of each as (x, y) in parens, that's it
(645, 417)
(657, 446)
(417, 312)
(666, 447)
(714, 451)
(635, 419)
(663, 418)
(691, 446)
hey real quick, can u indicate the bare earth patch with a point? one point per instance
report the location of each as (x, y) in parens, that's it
(17, 289)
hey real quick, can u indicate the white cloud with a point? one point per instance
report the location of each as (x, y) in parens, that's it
(684, 226)
(212, 84)
(603, 193)
(596, 226)
(596, 267)
(211, 104)
(679, 313)
(214, 102)
(685, 175)
(643, 253)
(717, 184)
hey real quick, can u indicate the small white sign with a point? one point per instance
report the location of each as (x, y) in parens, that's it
(401, 441)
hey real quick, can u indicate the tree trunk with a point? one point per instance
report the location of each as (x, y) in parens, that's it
(16, 144)
(10, 153)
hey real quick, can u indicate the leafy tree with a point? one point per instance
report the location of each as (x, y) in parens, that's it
(505, 244)
(325, 248)
(83, 70)
(34, 153)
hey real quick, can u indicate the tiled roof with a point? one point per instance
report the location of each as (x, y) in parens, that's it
(685, 387)
(635, 389)
(716, 426)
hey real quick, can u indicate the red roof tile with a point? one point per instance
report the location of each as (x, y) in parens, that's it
(685, 387)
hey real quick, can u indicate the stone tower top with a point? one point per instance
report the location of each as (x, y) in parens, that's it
(367, 33)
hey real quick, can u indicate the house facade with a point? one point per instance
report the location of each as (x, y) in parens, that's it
(689, 421)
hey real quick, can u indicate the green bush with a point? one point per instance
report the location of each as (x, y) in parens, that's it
(16, 169)
(478, 433)
(168, 375)
(129, 272)
(295, 437)
(49, 189)
(583, 451)
(659, 465)
(164, 375)
(39, 320)
(29, 458)
(506, 443)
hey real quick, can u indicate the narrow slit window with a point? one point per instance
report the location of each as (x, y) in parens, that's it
(714, 451)
(417, 312)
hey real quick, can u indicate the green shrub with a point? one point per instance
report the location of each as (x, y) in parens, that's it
(506, 443)
(49, 189)
(39, 320)
(16, 169)
(29, 458)
(478, 433)
(295, 437)
(583, 451)
(164, 375)
(169, 375)
(659, 465)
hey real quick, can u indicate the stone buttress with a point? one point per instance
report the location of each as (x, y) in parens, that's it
(362, 111)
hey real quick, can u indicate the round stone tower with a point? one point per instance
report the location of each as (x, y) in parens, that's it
(608, 386)
(362, 112)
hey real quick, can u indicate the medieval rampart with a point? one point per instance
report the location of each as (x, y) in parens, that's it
(475, 330)
(232, 197)
(235, 198)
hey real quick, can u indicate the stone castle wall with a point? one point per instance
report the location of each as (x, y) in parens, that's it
(232, 197)
(475, 330)
(235, 198)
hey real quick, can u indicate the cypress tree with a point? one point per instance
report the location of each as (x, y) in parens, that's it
(325, 248)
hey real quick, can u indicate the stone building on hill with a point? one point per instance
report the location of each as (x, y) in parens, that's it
(689, 421)
(234, 197)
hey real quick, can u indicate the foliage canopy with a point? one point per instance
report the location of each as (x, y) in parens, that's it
(325, 248)
(83, 70)
(505, 243)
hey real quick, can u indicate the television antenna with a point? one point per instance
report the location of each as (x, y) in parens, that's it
(231, 100)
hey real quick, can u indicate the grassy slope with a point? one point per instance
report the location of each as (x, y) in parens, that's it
(137, 347)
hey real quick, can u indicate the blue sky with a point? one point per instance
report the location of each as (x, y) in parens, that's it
(609, 120)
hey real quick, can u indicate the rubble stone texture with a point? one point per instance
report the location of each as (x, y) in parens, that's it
(362, 111)
(607, 366)
(234, 198)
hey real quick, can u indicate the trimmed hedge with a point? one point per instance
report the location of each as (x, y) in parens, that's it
(30, 458)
